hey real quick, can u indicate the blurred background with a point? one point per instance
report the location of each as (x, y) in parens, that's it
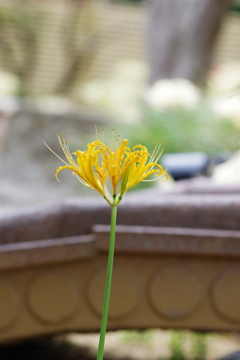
(154, 70)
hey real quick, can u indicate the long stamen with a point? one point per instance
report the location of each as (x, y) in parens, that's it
(112, 137)
(54, 152)
(115, 146)
(67, 153)
(158, 154)
(155, 152)
(155, 155)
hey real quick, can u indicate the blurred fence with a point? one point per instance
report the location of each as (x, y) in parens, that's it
(227, 47)
(52, 46)
(45, 44)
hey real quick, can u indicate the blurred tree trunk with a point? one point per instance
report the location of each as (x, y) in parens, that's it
(181, 37)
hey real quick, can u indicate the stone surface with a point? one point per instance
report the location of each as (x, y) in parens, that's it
(226, 294)
(171, 240)
(175, 291)
(53, 297)
(203, 185)
(125, 292)
(39, 252)
(10, 304)
(175, 257)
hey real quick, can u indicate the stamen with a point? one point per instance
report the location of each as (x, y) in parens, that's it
(156, 153)
(54, 152)
(68, 155)
(111, 139)
(115, 148)
(103, 135)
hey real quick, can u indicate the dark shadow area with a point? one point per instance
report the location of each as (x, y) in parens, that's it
(47, 349)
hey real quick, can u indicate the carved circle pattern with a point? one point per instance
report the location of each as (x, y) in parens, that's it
(10, 304)
(53, 297)
(226, 295)
(174, 291)
(124, 292)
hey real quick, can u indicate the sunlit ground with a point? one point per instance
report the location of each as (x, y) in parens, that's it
(128, 345)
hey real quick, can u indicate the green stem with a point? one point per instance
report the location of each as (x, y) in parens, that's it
(108, 284)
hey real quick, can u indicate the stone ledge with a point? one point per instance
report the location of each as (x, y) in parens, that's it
(170, 240)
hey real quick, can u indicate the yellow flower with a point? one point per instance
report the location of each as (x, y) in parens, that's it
(121, 167)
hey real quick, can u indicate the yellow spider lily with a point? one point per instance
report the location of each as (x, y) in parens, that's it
(124, 167)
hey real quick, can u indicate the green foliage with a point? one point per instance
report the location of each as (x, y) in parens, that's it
(183, 345)
(185, 130)
(138, 336)
(198, 346)
(176, 345)
(198, 343)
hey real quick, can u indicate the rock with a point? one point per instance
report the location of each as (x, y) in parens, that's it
(27, 167)
(233, 356)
